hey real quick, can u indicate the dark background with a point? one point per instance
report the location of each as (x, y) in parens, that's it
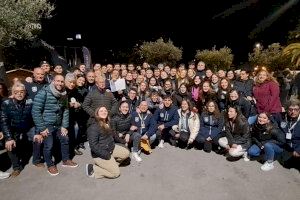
(108, 27)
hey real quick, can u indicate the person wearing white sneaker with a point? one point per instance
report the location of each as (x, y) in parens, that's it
(267, 138)
(143, 128)
(4, 175)
(136, 156)
(165, 118)
(267, 166)
(161, 144)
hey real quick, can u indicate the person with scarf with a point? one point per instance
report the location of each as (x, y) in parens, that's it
(50, 112)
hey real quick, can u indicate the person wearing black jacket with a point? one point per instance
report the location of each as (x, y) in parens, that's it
(237, 131)
(106, 154)
(266, 137)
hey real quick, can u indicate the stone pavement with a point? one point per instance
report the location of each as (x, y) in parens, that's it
(169, 173)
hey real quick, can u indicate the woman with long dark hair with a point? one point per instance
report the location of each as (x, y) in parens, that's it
(237, 131)
(211, 125)
(106, 154)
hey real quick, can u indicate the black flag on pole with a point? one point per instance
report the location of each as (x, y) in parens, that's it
(87, 57)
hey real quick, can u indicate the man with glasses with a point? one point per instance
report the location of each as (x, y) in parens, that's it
(291, 127)
(16, 121)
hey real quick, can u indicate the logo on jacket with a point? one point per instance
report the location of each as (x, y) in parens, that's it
(205, 119)
(161, 115)
(34, 89)
(136, 119)
(283, 124)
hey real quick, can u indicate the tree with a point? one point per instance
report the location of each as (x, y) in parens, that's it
(293, 50)
(160, 52)
(216, 59)
(21, 19)
(272, 57)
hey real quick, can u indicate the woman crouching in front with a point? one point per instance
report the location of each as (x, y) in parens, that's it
(106, 154)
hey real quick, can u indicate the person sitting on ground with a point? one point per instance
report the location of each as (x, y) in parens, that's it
(291, 128)
(165, 118)
(211, 126)
(143, 128)
(106, 154)
(266, 137)
(185, 132)
(237, 131)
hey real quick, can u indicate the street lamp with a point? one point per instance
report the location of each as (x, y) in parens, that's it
(258, 45)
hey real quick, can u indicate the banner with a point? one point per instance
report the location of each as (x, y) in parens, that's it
(87, 57)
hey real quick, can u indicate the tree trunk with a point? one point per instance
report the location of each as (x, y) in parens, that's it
(3, 77)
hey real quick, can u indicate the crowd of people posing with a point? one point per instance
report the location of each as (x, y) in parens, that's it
(51, 115)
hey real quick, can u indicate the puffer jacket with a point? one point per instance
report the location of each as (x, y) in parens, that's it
(16, 118)
(49, 111)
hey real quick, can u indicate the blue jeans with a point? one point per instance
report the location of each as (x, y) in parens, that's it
(48, 145)
(252, 119)
(270, 150)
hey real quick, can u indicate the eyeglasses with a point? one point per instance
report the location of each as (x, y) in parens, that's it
(294, 109)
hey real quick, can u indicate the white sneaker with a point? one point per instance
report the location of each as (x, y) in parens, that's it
(161, 144)
(4, 175)
(246, 158)
(267, 166)
(136, 157)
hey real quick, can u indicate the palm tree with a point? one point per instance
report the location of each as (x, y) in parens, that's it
(294, 51)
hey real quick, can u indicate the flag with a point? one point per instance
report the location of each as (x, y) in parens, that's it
(87, 57)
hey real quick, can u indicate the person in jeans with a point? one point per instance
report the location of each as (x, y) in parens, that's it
(106, 154)
(16, 121)
(237, 133)
(50, 114)
(290, 126)
(143, 128)
(266, 137)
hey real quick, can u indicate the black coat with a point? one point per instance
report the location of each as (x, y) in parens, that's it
(101, 142)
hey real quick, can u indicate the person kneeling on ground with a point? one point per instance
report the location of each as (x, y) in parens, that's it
(106, 154)
(185, 132)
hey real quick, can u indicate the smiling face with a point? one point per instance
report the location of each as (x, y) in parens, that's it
(124, 108)
(263, 119)
(232, 113)
(102, 113)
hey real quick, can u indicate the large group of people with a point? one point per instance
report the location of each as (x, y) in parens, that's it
(53, 115)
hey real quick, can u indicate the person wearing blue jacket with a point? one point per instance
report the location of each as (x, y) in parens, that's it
(291, 128)
(211, 126)
(165, 118)
(142, 126)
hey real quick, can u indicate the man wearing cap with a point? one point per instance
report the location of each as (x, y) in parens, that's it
(164, 119)
(46, 67)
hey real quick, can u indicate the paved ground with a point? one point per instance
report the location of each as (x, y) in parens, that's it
(168, 173)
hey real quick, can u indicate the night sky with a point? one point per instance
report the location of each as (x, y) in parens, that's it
(120, 25)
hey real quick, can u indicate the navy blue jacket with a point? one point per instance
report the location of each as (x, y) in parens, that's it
(293, 143)
(210, 126)
(167, 116)
(148, 122)
(15, 118)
